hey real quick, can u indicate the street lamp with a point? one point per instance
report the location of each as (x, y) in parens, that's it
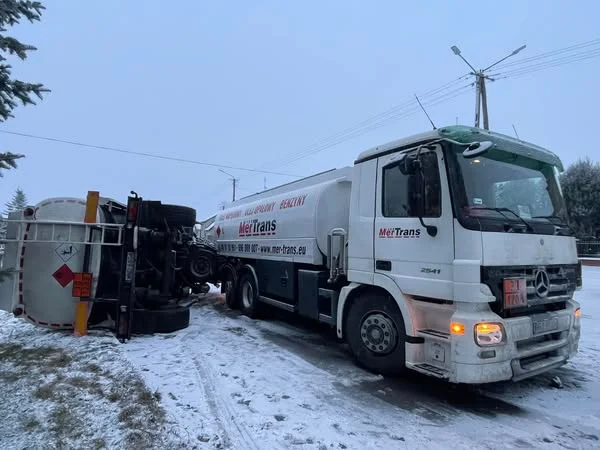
(480, 90)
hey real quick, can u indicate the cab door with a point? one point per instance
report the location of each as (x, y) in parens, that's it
(420, 263)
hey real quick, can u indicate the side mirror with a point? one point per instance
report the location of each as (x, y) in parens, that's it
(410, 165)
(420, 182)
(477, 149)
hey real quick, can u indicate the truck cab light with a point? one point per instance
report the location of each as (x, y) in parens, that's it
(457, 328)
(489, 334)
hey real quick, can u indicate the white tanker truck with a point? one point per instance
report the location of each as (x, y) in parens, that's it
(448, 253)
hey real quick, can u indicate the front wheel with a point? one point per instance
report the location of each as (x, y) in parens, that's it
(376, 334)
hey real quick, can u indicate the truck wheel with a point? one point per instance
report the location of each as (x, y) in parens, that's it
(247, 295)
(176, 215)
(375, 333)
(167, 320)
(229, 286)
(230, 298)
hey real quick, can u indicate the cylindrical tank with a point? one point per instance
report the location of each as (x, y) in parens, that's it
(289, 224)
(48, 267)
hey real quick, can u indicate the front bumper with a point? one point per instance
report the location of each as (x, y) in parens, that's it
(523, 353)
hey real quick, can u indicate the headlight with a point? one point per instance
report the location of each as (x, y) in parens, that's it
(489, 334)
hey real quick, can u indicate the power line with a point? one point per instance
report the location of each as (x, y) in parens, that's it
(556, 62)
(400, 115)
(548, 54)
(391, 112)
(519, 67)
(147, 155)
(402, 110)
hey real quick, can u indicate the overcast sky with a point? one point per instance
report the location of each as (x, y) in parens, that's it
(249, 83)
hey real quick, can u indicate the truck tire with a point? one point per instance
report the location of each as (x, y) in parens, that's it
(176, 215)
(229, 287)
(247, 295)
(167, 320)
(202, 264)
(376, 334)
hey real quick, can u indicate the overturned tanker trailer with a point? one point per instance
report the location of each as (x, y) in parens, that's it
(134, 267)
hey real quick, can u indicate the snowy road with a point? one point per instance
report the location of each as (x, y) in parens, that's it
(278, 383)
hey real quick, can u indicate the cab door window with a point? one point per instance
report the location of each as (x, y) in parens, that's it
(402, 192)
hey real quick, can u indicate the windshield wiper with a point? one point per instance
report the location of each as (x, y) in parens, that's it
(502, 211)
(560, 222)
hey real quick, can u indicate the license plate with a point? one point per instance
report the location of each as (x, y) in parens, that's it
(515, 293)
(545, 325)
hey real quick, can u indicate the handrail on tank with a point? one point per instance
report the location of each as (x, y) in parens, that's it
(335, 270)
(86, 227)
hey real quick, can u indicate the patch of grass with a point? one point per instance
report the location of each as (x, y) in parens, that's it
(138, 409)
(114, 395)
(91, 385)
(31, 424)
(9, 377)
(64, 423)
(47, 358)
(136, 440)
(45, 391)
(94, 368)
(9, 351)
(129, 415)
(61, 360)
(99, 444)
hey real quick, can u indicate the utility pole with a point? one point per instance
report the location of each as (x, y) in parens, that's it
(480, 88)
(234, 181)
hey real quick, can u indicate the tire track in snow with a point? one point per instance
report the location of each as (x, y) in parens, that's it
(235, 434)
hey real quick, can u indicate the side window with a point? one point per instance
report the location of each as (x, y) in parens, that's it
(401, 193)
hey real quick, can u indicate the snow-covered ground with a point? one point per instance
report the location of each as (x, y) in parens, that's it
(231, 382)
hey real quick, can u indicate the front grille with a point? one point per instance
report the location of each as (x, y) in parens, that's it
(550, 295)
(526, 344)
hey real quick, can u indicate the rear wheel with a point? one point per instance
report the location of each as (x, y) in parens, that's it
(166, 320)
(176, 215)
(153, 214)
(247, 295)
(376, 334)
(230, 297)
(229, 286)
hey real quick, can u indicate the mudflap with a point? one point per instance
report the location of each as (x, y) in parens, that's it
(146, 321)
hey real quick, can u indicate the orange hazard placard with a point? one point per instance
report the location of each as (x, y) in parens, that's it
(82, 284)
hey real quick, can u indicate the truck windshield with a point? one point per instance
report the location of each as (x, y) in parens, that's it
(503, 191)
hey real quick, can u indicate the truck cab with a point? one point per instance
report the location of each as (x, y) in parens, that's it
(459, 242)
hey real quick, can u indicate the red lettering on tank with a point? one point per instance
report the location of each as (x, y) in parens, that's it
(257, 227)
(260, 209)
(293, 202)
(232, 215)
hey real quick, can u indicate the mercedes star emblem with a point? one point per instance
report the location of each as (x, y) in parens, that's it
(542, 283)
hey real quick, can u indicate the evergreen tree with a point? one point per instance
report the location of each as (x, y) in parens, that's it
(17, 203)
(13, 91)
(581, 188)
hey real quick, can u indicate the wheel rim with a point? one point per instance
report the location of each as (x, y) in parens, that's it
(379, 333)
(247, 295)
